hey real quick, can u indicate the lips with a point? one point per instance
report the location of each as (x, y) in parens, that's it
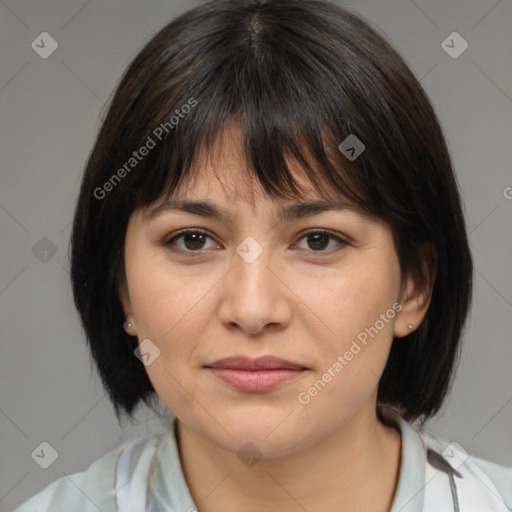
(255, 375)
(260, 363)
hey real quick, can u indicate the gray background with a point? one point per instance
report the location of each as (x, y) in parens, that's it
(50, 114)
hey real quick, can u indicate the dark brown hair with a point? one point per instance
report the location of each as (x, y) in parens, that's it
(299, 77)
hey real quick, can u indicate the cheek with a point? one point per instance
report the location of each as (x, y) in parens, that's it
(164, 301)
(359, 309)
(371, 296)
(351, 299)
(172, 310)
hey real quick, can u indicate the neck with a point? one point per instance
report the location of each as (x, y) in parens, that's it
(355, 468)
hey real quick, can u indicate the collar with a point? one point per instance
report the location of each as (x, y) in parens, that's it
(409, 494)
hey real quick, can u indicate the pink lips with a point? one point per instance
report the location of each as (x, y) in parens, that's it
(253, 375)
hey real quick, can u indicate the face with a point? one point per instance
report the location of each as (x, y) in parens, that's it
(319, 291)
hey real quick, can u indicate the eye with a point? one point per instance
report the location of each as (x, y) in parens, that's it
(193, 240)
(189, 241)
(319, 240)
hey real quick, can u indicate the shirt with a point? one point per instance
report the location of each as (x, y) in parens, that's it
(100, 487)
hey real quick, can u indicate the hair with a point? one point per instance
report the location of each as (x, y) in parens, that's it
(298, 77)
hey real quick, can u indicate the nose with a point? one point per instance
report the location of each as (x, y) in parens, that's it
(255, 297)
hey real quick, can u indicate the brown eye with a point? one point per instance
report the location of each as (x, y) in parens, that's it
(319, 241)
(191, 241)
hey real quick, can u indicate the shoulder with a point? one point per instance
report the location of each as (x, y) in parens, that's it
(475, 477)
(501, 477)
(93, 489)
(88, 490)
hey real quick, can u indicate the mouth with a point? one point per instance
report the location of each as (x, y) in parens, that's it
(255, 375)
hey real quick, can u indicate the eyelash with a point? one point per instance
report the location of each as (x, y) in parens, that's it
(170, 242)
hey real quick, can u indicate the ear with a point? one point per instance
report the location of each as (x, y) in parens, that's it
(416, 293)
(124, 298)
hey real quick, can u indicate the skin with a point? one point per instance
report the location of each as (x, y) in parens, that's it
(293, 302)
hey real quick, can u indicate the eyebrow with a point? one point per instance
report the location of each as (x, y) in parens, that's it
(284, 213)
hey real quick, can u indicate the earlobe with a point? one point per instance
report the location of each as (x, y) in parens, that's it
(129, 328)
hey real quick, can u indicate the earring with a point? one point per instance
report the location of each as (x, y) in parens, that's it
(410, 326)
(127, 325)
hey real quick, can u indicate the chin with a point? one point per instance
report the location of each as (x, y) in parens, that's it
(265, 434)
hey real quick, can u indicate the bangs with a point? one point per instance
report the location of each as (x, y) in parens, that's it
(269, 136)
(283, 162)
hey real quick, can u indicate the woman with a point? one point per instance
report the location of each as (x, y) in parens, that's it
(269, 239)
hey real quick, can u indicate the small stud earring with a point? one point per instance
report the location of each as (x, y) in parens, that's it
(127, 325)
(410, 326)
